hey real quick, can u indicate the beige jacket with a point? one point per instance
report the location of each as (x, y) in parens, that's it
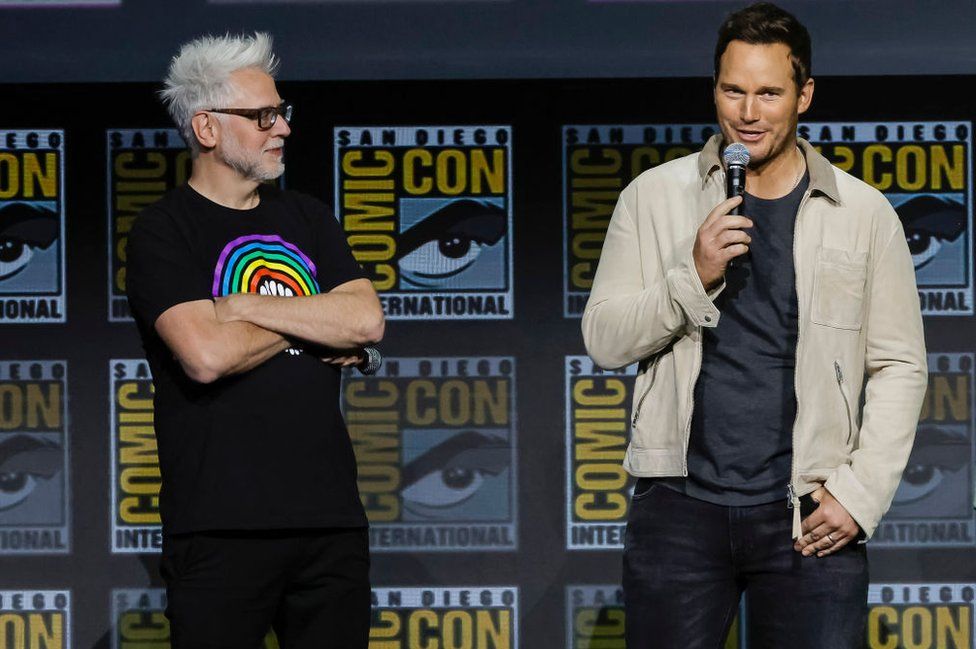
(859, 327)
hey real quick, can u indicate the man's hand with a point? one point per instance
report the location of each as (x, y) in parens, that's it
(720, 238)
(828, 528)
(344, 357)
(227, 307)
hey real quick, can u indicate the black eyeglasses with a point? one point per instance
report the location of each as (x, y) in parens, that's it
(266, 116)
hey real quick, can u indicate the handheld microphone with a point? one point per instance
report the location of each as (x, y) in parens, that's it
(372, 360)
(736, 158)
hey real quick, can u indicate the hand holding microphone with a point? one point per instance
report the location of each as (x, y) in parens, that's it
(720, 237)
(367, 360)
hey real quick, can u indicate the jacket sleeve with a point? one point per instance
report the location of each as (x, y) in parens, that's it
(897, 376)
(627, 318)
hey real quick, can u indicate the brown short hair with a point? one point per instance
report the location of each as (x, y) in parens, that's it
(763, 23)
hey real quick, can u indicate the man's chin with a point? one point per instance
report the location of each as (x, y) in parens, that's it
(269, 173)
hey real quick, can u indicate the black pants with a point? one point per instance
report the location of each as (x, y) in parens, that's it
(227, 589)
(687, 562)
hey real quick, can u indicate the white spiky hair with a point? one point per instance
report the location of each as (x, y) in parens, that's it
(199, 76)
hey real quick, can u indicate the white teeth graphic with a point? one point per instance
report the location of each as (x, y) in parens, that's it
(275, 288)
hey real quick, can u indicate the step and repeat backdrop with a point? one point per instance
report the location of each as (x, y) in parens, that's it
(489, 444)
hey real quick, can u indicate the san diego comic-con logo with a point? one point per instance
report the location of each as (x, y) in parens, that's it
(34, 500)
(598, 162)
(32, 258)
(921, 616)
(139, 620)
(427, 212)
(598, 489)
(143, 164)
(134, 459)
(925, 170)
(435, 446)
(476, 617)
(35, 619)
(933, 506)
(595, 619)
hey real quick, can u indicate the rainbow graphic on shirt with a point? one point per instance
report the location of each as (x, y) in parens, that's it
(265, 264)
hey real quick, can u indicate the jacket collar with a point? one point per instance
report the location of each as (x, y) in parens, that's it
(822, 177)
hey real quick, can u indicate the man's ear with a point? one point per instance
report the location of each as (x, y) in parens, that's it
(806, 97)
(206, 128)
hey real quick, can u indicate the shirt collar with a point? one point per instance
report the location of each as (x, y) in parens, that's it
(821, 172)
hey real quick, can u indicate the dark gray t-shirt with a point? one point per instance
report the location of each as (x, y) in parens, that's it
(741, 441)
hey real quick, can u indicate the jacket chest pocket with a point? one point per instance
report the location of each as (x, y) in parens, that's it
(838, 288)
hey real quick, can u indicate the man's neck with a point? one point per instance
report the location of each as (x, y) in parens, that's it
(776, 177)
(223, 185)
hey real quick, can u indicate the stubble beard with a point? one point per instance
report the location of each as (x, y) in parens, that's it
(247, 163)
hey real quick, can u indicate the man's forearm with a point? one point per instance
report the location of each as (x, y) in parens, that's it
(208, 349)
(339, 319)
(244, 346)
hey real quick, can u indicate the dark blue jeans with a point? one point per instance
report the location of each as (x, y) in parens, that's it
(687, 562)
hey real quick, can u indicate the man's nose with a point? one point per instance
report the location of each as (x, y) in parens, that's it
(749, 111)
(281, 127)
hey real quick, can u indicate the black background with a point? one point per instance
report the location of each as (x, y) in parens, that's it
(539, 337)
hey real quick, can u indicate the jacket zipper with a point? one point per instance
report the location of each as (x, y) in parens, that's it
(691, 400)
(647, 391)
(791, 498)
(847, 404)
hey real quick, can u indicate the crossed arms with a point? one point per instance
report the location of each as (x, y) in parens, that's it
(233, 334)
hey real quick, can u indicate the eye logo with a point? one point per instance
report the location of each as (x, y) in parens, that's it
(452, 472)
(436, 453)
(24, 462)
(933, 506)
(938, 456)
(427, 212)
(438, 250)
(265, 264)
(24, 229)
(931, 223)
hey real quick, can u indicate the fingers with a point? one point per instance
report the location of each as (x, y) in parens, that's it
(729, 222)
(729, 237)
(817, 539)
(722, 209)
(828, 529)
(719, 239)
(728, 232)
(736, 250)
(344, 361)
(839, 542)
(812, 522)
(822, 540)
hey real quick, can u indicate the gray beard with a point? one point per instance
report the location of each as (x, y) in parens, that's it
(252, 169)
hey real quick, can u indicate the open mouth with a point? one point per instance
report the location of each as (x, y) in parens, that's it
(276, 288)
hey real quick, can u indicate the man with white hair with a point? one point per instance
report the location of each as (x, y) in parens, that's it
(248, 301)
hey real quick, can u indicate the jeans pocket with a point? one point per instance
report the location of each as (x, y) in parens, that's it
(644, 487)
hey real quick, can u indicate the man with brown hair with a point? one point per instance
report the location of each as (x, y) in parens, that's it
(756, 471)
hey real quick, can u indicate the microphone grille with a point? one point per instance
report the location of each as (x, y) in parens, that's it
(371, 364)
(736, 154)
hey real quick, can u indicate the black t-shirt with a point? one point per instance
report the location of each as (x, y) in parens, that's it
(267, 448)
(741, 441)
